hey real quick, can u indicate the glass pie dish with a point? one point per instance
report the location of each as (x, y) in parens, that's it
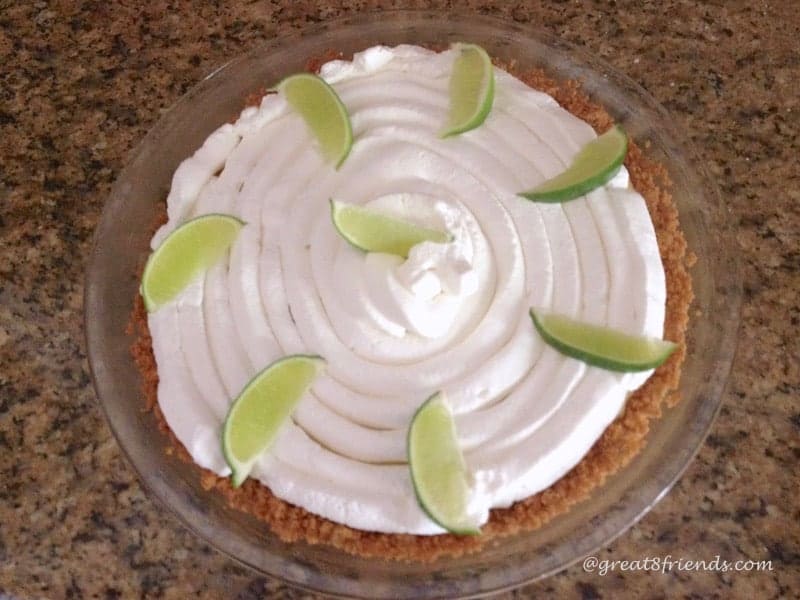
(121, 243)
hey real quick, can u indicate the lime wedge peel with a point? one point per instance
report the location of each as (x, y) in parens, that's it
(594, 165)
(323, 111)
(601, 346)
(471, 90)
(372, 231)
(262, 407)
(438, 471)
(184, 254)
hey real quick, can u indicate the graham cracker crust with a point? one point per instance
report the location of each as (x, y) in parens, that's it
(621, 441)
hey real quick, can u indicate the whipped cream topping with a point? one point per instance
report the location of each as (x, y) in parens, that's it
(452, 317)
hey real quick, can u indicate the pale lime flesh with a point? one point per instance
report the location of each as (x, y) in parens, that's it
(372, 231)
(471, 90)
(324, 113)
(184, 254)
(594, 165)
(265, 404)
(601, 346)
(438, 471)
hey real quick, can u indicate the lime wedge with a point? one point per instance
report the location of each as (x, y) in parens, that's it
(601, 346)
(595, 164)
(372, 231)
(263, 406)
(323, 112)
(438, 472)
(471, 89)
(185, 253)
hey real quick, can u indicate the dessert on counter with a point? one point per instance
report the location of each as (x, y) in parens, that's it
(311, 267)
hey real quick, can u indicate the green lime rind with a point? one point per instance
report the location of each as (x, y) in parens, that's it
(186, 252)
(471, 90)
(267, 401)
(372, 231)
(594, 166)
(324, 113)
(438, 471)
(601, 346)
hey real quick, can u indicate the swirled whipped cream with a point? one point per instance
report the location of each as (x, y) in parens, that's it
(452, 317)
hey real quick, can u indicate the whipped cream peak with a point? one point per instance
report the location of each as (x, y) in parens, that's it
(422, 294)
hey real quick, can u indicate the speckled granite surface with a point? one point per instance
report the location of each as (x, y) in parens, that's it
(81, 83)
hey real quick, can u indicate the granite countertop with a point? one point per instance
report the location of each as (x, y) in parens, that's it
(81, 84)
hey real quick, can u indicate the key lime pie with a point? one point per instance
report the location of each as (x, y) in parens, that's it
(413, 302)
